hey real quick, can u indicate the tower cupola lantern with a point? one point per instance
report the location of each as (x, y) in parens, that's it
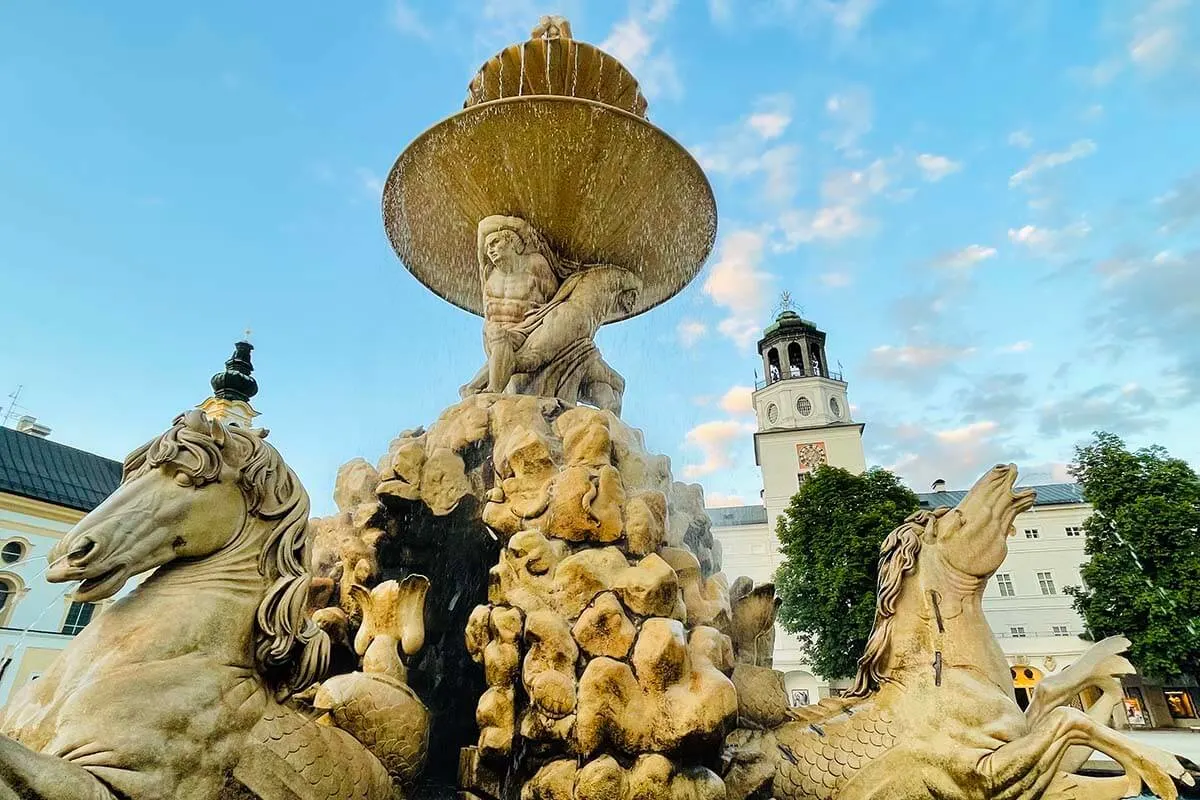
(792, 347)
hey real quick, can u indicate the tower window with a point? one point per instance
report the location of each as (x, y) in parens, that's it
(795, 360)
(835, 408)
(803, 406)
(772, 413)
(773, 371)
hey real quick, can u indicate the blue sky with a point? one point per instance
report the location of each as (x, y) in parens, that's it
(992, 206)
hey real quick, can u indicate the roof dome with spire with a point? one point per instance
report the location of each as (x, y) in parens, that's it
(237, 381)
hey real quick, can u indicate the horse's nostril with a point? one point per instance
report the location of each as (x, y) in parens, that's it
(81, 550)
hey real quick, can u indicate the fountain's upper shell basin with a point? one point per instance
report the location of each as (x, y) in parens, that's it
(601, 184)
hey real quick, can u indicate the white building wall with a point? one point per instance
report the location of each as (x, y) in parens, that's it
(33, 618)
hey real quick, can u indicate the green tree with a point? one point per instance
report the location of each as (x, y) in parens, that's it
(830, 537)
(1143, 576)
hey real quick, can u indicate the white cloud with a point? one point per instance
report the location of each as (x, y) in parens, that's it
(825, 224)
(716, 440)
(720, 11)
(632, 42)
(913, 356)
(913, 365)
(1048, 160)
(738, 400)
(722, 500)
(405, 19)
(1157, 37)
(967, 433)
(1048, 241)
(835, 280)
(737, 283)
(1020, 139)
(844, 192)
(1022, 346)
(966, 258)
(934, 167)
(852, 114)
(691, 331)
(740, 151)
(371, 183)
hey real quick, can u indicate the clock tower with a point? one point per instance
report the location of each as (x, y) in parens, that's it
(802, 409)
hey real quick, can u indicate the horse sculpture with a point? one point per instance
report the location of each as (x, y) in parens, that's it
(178, 690)
(932, 711)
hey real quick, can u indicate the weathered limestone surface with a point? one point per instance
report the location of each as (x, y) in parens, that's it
(600, 633)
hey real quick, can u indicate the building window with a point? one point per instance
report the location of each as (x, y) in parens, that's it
(1016, 631)
(78, 616)
(1074, 530)
(1179, 703)
(1004, 581)
(1059, 630)
(7, 590)
(804, 406)
(12, 552)
(1031, 533)
(835, 408)
(1046, 583)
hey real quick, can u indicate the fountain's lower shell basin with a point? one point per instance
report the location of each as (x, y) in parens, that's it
(603, 186)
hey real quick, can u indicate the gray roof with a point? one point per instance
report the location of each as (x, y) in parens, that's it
(730, 516)
(32, 466)
(1049, 494)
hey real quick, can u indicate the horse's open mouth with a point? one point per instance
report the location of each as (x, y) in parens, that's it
(100, 586)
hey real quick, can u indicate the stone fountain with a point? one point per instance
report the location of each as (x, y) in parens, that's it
(517, 600)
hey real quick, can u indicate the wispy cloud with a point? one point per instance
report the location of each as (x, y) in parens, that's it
(844, 194)
(1021, 139)
(737, 283)
(405, 19)
(691, 331)
(633, 40)
(935, 167)
(851, 113)
(1022, 346)
(1048, 160)
(964, 259)
(743, 151)
(1048, 241)
(717, 442)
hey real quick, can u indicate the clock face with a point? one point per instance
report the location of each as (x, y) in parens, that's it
(772, 413)
(804, 406)
(810, 456)
(835, 408)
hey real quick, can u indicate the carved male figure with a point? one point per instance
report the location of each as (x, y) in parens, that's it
(517, 279)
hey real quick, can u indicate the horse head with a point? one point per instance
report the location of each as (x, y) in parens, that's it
(953, 550)
(972, 538)
(198, 490)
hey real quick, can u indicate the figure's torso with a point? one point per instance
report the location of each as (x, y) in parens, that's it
(509, 293)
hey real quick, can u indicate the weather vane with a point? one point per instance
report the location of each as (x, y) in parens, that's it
(785, 303)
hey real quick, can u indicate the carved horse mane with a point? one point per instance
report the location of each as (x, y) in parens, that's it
(897, 559)
(291, 652)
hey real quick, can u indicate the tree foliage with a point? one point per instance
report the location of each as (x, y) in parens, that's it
(830, 536)
(1143, 576)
